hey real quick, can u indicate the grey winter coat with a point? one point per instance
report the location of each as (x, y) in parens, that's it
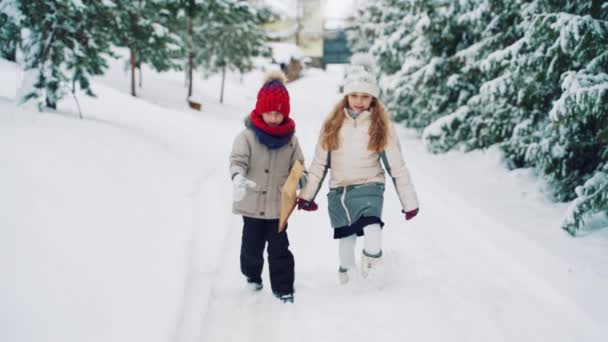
(267, 168)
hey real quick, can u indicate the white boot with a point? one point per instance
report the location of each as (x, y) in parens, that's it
(370, 264)
(343, 276)
(347, 258)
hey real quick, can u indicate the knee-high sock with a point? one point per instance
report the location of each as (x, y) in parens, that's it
(372, 243)
(347, 251)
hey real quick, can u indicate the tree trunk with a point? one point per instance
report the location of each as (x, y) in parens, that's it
(12, 54)
(190, 72)
(50, 104)
(141, 77)
(133, 62)
(190, 57)
(223, 81)
(299, 19)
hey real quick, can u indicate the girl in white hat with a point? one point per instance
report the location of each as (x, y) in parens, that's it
(357, 143)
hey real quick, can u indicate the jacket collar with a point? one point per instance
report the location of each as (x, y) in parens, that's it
(364, 115)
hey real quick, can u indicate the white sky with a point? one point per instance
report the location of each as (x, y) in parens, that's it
(333, 9)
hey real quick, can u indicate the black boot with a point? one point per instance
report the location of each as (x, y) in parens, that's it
(285, 298)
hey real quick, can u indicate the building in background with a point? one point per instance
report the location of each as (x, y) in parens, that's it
(301, 24)
(310, 31)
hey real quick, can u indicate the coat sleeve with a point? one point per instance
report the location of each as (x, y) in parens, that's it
(297, 153)
(395, 166)
(239, 157)
(316, 173)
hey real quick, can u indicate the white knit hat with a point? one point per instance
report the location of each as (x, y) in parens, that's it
(361, 75)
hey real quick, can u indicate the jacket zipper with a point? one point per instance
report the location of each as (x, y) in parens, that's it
(344, 206)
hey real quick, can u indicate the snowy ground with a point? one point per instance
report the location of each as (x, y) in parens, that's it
(118, 228)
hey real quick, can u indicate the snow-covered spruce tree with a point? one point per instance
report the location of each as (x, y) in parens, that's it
(423, 90)
(191, 18)
(591, 202)
(362, 33)
(440, 72)
(574, 148)
(10, 36)
(574, 141)
(186, 14)
(142, 26)
(227, 38)
(546, 107)
(64, 45)
(378, 29)
(511, 108)
(582, 106)
(491, 28)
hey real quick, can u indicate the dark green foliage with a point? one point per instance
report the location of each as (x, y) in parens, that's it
(9, 37)
(65, 45)
(527, 76)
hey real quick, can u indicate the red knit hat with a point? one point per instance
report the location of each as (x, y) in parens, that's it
(273, 96)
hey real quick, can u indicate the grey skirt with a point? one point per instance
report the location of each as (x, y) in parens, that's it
(348, 204)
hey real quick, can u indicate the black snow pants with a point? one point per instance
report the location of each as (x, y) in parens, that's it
(256, 232)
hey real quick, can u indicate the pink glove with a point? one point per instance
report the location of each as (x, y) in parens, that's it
(306, 205)
(410, 214)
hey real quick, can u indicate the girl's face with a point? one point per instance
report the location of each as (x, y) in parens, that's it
(272, 118)
(359, 101)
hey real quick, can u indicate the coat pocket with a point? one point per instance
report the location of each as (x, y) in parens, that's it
(250, 205)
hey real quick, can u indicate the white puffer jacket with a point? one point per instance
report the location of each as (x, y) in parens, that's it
(352, 163)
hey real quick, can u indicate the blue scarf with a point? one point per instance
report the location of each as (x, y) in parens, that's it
(271, 141)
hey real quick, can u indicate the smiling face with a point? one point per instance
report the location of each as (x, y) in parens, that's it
(273, 119)
(359, 101)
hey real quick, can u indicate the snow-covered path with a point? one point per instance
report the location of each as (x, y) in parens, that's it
(456, 273)
(118, 228)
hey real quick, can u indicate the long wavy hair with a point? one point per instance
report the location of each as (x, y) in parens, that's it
(378, 130)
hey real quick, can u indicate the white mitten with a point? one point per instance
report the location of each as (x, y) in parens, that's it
(239, 187)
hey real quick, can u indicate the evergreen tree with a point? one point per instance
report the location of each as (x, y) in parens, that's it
(528, 76)
(64, 45)
(545, 106)
(229, 36)
(142, 26)
(372, 25)
(10, 36)
(493, 28)
(591, 202)
(186, 15)
(441, 70)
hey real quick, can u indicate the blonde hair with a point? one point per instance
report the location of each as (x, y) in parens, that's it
(378, 130)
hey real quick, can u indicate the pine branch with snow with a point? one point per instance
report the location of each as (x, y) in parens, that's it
(64, 43)
(591, 203)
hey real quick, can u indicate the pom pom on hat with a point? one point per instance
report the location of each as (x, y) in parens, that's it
(275, 76)
(361, 75)
(273, 96)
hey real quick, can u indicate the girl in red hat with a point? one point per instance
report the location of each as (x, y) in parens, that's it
(261, 158)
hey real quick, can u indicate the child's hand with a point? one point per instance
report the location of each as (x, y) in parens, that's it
(239, 187)
(306, 205)
(410, 214)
